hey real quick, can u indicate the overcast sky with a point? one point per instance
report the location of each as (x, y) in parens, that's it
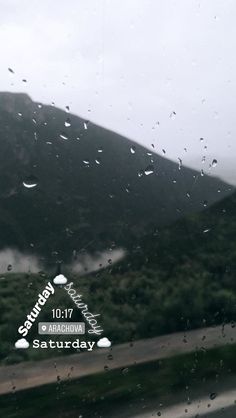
(161, 72)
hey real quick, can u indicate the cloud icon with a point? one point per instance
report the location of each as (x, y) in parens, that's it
(60, 279)
(104, 343)
(22, 343)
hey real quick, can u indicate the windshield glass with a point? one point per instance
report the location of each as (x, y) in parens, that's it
(117, 209)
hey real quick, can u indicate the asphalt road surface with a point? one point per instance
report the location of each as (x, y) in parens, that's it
(33, 374)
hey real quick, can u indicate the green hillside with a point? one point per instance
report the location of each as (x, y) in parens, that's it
(93, 188)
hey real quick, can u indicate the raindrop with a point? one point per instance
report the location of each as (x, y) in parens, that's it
(173, 114)
(11, 70)
(153, 146)
(188, 195)
(40, 105)
(180, 163)
(100, 149)
(86, 162)
(203, 159)
(163, 151)
(214, 163)
(24, 80)
(63, 136)
(86, 124)
(149, 170)
(202, 173)
(98, 162)
(9, 267)
(201, 139)
(67, 123)
(132, 149)
(30, 182)
(67, 109)
(205, 203)
(212, 395)
(206, 230)
(19, 114)
(140, 173)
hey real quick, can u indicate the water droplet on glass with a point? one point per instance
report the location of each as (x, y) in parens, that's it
(97, 162)
(132, 149)
(214, 163)
(212, 395)
(201, 139)
(202, 173)
(86, 162)
(180, 163)
(24, 80)
(100, 149)
(67, 109)
(173, 114)
(30, 182)
(163, 151)
(67, 123)
(9, 267)
(86, 124)
(11, 70)
(203, 159)
(188, 194)
(40, 105)
(149, 170)
(63, 136)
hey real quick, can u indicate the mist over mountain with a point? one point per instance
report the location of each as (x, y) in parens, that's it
(67, 184)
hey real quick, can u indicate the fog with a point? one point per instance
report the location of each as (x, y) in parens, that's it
(14, 261)
(128, 66)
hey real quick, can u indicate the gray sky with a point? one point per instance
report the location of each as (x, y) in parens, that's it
(128, 65)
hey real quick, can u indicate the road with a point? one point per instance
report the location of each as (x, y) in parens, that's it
(223, 406)
(33, 374)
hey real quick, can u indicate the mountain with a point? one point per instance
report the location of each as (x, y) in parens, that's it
(68, 184)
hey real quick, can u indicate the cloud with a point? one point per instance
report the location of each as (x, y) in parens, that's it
(22, 343)
(17, 262)
(104, 343)
(88, 263)
(60, 279)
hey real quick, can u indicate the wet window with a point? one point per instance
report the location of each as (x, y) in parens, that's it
(117, 209)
